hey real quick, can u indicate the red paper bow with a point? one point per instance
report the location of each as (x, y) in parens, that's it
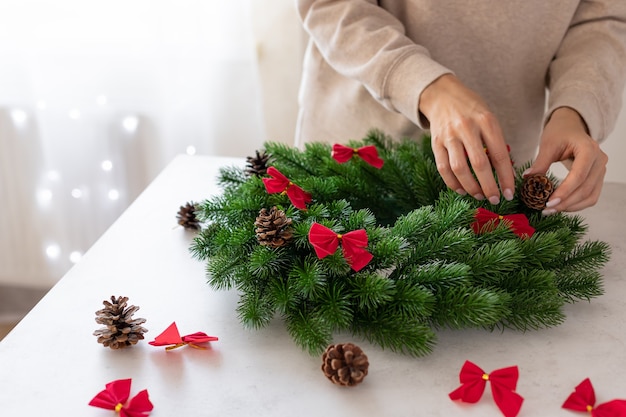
(325, 242)
(503, 383)
(115, 395)
(517, 222)
(171, 338)
(281, 184)
(584, 399)
(368, 153)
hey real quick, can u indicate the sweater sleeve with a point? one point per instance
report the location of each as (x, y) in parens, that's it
(589, 69)
(362, 41)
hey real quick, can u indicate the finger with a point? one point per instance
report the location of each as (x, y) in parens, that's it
(461, 170)
(584, 196)
(547, 155)
(579, 204)
(588, 194)
(483, 170)
(580, 172)
(442, 160)
(591, 200)
(499, 157)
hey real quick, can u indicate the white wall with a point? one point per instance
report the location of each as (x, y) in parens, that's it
(96, 98)
(280, 44)
(615, 148)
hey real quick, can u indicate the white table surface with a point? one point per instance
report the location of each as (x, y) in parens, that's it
(51, 364)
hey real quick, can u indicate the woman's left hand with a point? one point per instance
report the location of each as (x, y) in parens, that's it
(565, 139)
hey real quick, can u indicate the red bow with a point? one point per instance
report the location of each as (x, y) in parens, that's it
(115, 395)
(369, 154)
(279, 184)
(503, 383)
(171, 337)
(325, 242)
(584, 399)
(517, 222)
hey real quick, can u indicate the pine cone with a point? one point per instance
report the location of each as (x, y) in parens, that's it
(121, 329)
(257, 165)
(187, 217)
(536, 189)
(345, 364)
(273, 228)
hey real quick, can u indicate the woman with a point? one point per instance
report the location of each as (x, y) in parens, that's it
(476, 75)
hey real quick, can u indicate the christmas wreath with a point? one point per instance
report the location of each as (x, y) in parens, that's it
(367, 239)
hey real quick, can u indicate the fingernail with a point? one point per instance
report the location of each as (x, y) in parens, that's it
(548, 212)
(494, 199)
(461, 191)
(479, 196)
(508, 194)
(553, 202)
(526, 172)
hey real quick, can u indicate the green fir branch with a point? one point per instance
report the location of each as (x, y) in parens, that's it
(492, 264)
(231, 176)
(576, 285)
(535, 302)
(284, 294)
(312, 333)
(370, 291)
(267, 263)
(587, 256)
(411, 302)
(307, 279)
(429, 269)
(289, 160)
(392, 331)
(254, 310)
(438, 276)
(465, 307)
(335, 307)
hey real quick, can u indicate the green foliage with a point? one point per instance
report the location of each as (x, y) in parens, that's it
(429, 269)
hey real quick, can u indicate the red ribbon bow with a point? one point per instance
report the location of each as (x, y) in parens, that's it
(503, 383)
(325, 242)
(115, 395)
(517, 222)
(281, 184)
(584, 399)
(171, 338)
(368, 153)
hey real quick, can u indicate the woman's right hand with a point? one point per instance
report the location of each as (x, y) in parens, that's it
(463, 128)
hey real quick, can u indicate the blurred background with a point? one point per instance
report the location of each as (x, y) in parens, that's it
(97, 97)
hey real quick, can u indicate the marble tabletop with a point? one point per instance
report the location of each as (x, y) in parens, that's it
(51, 364)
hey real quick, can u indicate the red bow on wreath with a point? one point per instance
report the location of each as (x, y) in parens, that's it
(115, 395)
(281, 184)
(584, 399)
(325, 242)
(517, 222)
(368, 153)
(503, 384)
(171, 339)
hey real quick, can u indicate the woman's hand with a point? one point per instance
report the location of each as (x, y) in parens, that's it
(565, 139)
(463, 128)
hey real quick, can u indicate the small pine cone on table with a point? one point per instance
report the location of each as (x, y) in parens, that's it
(345, 364)
(121, 329)
(187, 216)
(536, 190)
(273, 228)
(257, 165)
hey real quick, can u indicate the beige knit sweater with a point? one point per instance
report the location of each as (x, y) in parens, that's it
(368, 62)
